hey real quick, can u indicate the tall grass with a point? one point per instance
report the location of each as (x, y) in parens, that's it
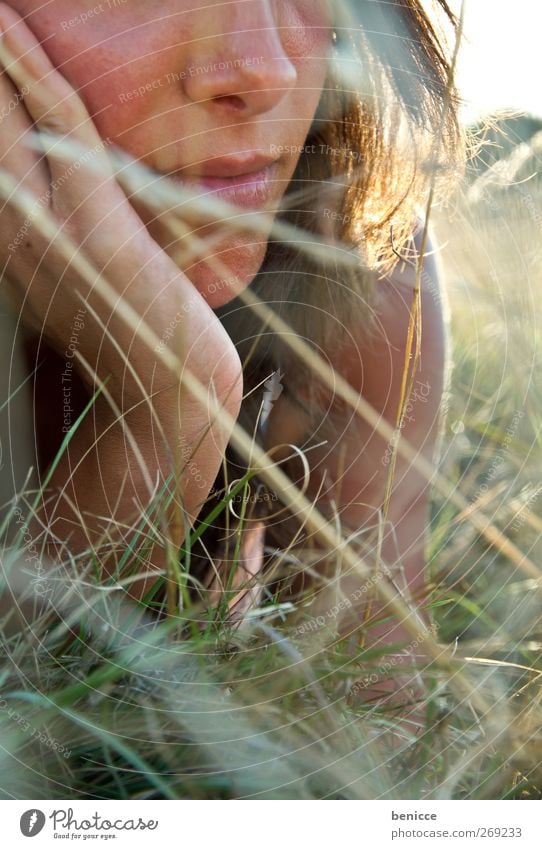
(102, 696)
(270, 709)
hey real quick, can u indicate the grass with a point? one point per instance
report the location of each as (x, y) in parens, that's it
(144, 709)
(102, 697)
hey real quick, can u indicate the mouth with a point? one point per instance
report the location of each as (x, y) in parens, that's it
(243, 182)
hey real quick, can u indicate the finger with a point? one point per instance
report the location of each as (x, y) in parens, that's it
(24, 180)
(17, 157)
(55, 109)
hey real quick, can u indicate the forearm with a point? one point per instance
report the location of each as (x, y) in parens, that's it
(145, 426)
(112, 471)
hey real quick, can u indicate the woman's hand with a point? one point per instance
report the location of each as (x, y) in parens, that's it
(76, 194)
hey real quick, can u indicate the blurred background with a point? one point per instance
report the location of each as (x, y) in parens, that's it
(497, 65)
(490, 238)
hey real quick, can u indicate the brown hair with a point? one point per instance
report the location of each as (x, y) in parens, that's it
(388, 100)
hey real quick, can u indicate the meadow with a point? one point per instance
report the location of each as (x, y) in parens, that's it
(100, 700)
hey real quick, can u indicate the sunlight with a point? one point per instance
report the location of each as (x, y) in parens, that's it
(502, 41)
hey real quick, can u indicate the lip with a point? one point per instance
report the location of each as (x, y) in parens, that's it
(235, 166)
(246, 182)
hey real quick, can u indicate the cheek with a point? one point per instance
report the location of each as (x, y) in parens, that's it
(306, 35)
(109, 58)
(107, 77)
(307, 40)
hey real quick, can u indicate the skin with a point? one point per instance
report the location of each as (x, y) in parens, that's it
(266, 101)
(356, 464)
(248, 108)
(84, 71)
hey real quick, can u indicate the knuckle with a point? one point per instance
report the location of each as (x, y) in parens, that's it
(61, 120)
(67, 112)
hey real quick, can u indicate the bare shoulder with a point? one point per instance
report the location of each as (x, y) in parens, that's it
(375, 361)
(399, 286)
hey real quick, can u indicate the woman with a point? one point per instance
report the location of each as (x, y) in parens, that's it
(326, 117)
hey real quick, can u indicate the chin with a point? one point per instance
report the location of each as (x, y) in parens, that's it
(240, 261)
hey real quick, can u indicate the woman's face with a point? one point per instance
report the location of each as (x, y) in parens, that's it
(220, 94)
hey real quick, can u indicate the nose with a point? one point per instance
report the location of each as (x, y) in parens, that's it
(244, 69)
